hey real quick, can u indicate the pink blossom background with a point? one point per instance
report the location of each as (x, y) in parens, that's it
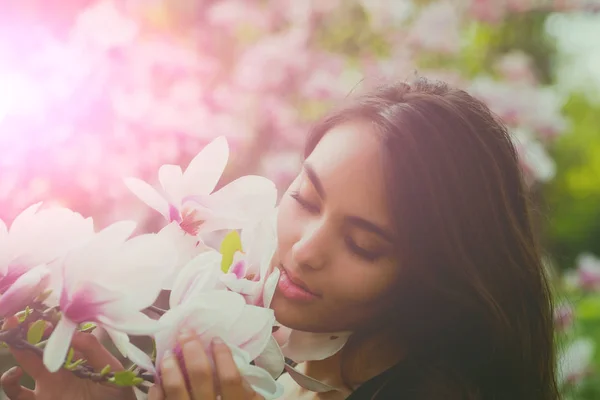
(94, 91)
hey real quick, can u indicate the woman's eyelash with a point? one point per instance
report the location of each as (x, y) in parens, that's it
(367, 255)
(303, 203)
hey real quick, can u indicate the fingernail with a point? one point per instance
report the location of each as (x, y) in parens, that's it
(186, 334)
(168, 354)
(14, 371)
(217, 341)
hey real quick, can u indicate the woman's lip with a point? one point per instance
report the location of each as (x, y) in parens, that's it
(297, 281)
(291, 290)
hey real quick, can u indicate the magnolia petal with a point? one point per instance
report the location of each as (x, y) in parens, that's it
(120, 340)
(26, 288)
(58, 344)
(135, 324)
(307, 382)
(91, 260)
(139, 357)
(3, 230)
(259, 241)
(213, 314)
(21, 225)
(303, 346)
(171, 179)
(5, 255)
(252, 330)
(199, 275)
(149, 260)
(241, 286)
(271, 359)
(270, 287)
(249, 195)
(262, 382)
(205, 170)
(43, 243)
(186, 247)
(148, 195)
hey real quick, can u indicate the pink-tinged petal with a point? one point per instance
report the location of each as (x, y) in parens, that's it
(205, 170)
(120, 340)
(148, 195)
(5, 254)
(133, 324)
(199, 275)
(25, 288)
(270, 287)
(86, 302)
(302, 346)
(271, 359)
(252, 330)
(174, 214)
(238, 268)
(171, 179)
(58, 344)
(139, 357)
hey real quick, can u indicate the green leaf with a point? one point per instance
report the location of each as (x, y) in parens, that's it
(106, 370)
(126, 378)
(74, 365)
(153, 355)
(22, 316)
(87, 327)
(70, 356)
(231, 244)
(588, 308)
(43, 296)
(36, 331)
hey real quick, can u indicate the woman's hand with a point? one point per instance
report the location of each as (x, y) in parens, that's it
(225, 383)
(63, 384)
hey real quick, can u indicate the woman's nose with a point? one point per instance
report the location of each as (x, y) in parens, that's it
(313, 248)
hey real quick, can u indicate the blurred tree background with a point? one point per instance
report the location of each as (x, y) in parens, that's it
(94, 91)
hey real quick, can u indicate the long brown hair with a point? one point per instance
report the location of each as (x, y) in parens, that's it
(473, 304)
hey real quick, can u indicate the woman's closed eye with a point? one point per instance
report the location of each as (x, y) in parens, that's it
(308, 206)
(361, 252)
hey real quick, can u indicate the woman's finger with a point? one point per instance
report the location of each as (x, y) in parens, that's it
(11, 386)
(156, 393)
(231, 382)
(197, 365)
(172, 380)
(94, 352)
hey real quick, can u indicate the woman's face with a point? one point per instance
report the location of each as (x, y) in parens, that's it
(335, 237)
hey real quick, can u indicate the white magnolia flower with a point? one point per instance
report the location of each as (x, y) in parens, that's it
(222, 314)
(35, 241)
(574, 362)
(96, 286)
(188, 198)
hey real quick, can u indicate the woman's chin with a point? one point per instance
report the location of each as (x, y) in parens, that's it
(299, 317)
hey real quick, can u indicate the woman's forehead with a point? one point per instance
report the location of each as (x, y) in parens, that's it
(347, 161)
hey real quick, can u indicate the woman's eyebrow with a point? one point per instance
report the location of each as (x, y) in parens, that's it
(371, 227)
(314, 179)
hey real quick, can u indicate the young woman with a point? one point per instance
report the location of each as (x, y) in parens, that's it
(409, 226)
